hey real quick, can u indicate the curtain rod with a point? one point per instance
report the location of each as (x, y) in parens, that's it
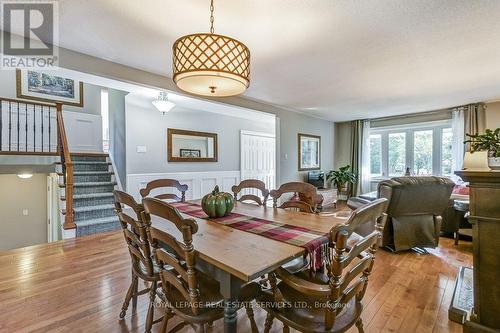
(417, 114)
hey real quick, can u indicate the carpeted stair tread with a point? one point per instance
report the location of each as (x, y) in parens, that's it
(91, 162)
(83, 173)
(93, 208)
(103, 220)
(88, 184)
(90, 196)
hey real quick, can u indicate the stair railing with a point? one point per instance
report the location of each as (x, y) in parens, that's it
(67, 166)
(27, 128)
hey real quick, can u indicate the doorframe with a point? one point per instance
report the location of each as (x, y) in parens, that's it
(267, 135)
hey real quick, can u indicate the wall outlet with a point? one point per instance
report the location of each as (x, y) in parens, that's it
(25, 212)
(142, 149)
(286, 156)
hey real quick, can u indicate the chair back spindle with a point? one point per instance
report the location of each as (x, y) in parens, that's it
(135, 232)
(181, 255)
(308, 199)
(251, 184)
(165, 183)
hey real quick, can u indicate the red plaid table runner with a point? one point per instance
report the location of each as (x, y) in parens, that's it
(313, 241)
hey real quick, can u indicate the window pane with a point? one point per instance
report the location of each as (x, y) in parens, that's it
(422, 152)
(446, 151)
(397, 154)
(376, 155)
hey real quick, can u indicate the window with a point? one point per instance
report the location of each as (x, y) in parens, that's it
(375, 155)
(422, 153)
(446, 152)
(397, 154)
(423, 148)
(105, 120)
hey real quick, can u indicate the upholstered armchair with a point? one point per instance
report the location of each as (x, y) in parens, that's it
(414, 209)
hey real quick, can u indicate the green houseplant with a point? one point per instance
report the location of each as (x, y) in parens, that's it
(217, 204)
(490, 142)
(341, 179)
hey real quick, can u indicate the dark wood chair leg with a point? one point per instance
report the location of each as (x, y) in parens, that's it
(269, 323)
(150, 315)
(135, 280)
(251, 317)
(359, 325)
(286, 329)
(164, 322)
(457, 237)
(126, 302)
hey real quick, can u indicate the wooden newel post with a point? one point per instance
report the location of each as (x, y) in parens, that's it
(67, 165)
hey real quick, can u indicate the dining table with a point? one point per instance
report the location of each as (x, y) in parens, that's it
(234, 257)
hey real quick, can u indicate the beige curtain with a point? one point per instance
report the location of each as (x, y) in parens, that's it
(474, 119)
(356, 154)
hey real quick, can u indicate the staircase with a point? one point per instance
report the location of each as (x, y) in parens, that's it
(93, 185)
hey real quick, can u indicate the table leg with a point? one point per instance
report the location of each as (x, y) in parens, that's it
(230, 316)
(230, 289)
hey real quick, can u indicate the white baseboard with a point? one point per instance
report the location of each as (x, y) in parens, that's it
(199, 183)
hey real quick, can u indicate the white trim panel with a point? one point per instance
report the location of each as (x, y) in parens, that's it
(199, 183)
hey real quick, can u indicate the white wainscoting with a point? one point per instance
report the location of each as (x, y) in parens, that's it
(199, 183)
(84, 131)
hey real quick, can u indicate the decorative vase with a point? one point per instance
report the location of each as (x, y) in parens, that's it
(217, 204)
(343, 192)
(493, 162)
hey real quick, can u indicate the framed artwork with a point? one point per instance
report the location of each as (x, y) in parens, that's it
(194, 153)
(47, 87)
(191, 146)
(309, 152)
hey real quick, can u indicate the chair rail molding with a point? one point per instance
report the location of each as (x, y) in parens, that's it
(199, 183)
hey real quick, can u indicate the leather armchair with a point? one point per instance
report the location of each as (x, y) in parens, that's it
(414, 209)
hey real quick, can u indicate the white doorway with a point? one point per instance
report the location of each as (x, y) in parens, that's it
(258, 157)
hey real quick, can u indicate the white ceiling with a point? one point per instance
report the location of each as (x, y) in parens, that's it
(335, 59)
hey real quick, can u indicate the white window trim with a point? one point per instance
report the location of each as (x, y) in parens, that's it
(409, 129)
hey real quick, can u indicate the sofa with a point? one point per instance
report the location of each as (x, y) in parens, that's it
(414, 209)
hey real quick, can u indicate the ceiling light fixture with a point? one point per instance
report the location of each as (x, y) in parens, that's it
(162, 103)
(25, 175)
(208, 64)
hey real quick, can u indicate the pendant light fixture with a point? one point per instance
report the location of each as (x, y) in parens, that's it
(208, 64)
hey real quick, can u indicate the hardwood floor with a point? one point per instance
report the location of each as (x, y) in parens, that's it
(79, 286)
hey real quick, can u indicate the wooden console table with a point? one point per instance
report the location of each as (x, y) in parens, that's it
(485, 220)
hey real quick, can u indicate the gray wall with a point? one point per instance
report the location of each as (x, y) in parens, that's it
(91, 93)
(117, 132)
(17, 230)
(146, 126)
(290, 124)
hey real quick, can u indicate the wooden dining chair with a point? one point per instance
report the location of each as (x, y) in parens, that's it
(305, 197)
(187, 292)
(331, 301)
(143, 266)
(165, 183)
(251, 184)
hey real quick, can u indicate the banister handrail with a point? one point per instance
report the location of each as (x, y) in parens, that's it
(67, 165)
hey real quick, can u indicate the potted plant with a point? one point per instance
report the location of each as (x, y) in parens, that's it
(341, 179)
(490, 142)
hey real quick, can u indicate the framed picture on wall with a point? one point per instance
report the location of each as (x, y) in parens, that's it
(196, 153)
(47, 87)
(309, 152)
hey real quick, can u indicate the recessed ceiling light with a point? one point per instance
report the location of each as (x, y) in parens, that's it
(25, 175)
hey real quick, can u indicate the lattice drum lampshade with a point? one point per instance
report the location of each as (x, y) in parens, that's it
(211, 65)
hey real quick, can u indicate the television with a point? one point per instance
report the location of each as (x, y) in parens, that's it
(316, 178)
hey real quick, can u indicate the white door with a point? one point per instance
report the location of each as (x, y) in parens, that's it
(258, 157)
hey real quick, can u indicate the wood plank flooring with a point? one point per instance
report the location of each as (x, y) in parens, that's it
(79, 285)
